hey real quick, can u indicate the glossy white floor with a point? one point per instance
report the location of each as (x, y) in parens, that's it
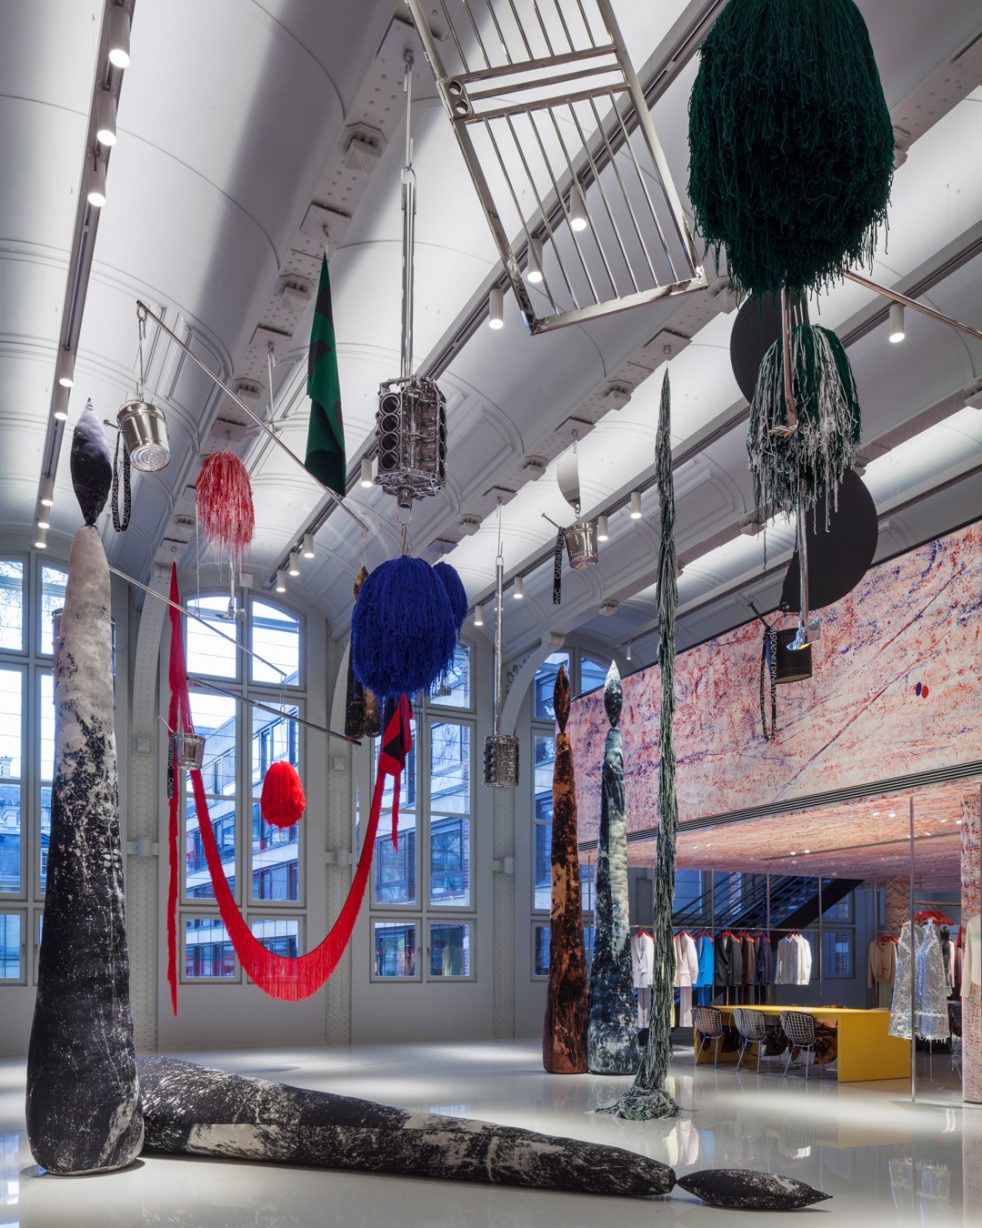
(886, 1162)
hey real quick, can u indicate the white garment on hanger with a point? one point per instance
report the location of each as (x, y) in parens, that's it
(644, 1008)
(685, 1006)
(687, 970)
(642, 959)
(794, 961)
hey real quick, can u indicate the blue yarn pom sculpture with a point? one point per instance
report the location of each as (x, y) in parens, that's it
(455, 592)
(403, 631)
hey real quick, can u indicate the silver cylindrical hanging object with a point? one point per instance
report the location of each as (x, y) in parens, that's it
(144, 430)
(581, 544)
(500, 749)
(190, 751)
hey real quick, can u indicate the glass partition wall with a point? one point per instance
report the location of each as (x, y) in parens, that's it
(847, 894)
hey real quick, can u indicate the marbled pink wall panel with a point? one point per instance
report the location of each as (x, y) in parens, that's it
(860, 717)
(971, 906)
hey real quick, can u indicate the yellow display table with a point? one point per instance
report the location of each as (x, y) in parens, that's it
(866, 1051)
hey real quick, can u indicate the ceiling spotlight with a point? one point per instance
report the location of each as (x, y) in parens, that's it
(47, 495)
(628, 652)
(478, 616)
(366, 478)
(496, 308)
(97, 184)
(66, 369)
(635, 504)
(602, 534)
(105, 119)
(61, 405)
(518, 589)
(43, 521)
(533, 262)
(280, 580)
(896, 323)
(577, 209)
(41, 539)
(144, 431)
(119, 37)
(294, 563)
(308, 545)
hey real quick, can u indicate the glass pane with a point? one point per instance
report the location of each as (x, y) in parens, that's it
(45, 832)
(275, 850)
(450, 862)
(10, 832)
(450, 948)
(544, 684)
(540, 950)
(407, 782)
(589, 934)
(10, 923)
(54, 582)
(843, 909)
(275, 636)
(208, 653)
(588, 885)
(11, 700)
(394, 951)
(593, 673)
(214, 719)
(11, 604)
(394, 869)
(46, 720)
(453, 689)
(542, 867)
(281, 935)
(839, 954)
(450, 768)
(208, 948)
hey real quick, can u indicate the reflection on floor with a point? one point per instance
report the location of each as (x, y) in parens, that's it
(886, 1161)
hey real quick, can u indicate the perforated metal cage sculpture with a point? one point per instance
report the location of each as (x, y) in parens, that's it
(411, 430)
(559, 141)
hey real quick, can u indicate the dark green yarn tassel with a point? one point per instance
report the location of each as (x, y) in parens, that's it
(790, 143)
(648, 1098)
(814, 459)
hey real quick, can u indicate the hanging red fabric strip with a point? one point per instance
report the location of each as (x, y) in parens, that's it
(277, 975)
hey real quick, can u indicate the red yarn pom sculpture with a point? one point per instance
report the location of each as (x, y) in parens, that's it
(282, 802)
(224, 501)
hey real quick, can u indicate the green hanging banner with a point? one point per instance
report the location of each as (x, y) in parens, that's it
(325, 457)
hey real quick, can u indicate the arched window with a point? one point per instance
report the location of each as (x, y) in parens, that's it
(246, 679)
(31, 591)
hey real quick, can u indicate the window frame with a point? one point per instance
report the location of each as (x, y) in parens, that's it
(19, 910)
(242, 689)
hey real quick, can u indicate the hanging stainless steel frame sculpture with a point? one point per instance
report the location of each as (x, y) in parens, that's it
(411, 421)
(559, 142)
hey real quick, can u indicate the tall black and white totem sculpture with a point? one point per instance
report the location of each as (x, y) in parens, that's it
(83, 1098)
(612, 1040)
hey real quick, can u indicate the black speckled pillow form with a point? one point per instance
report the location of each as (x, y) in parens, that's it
(746, 1190)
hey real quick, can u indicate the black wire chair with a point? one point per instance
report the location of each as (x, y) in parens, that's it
(752, 1026)
(708, 1022)
(799, 1028)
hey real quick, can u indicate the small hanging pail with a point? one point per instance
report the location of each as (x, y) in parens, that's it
(190, 751)
(793, 664)
(581, 544)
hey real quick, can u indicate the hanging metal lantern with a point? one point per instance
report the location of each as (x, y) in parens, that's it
(581, 544)
(411, 429)
(190, 751)
(411, 420)
(501, 760)
(793, 664)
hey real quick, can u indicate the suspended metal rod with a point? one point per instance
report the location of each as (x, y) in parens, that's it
(914, 305)
(219, 383)
(175, 605)
(286, 716)
(408, 228)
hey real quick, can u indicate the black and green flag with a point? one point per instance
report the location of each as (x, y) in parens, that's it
(325, 434)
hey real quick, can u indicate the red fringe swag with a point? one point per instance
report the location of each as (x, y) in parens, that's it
(280, 977)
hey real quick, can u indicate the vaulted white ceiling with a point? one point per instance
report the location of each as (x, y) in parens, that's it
(233, 120)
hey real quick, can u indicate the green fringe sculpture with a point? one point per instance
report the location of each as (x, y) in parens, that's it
(648, 1097)
(813, 459)
(790, 143)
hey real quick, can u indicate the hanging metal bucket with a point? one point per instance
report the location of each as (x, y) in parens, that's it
(581, 544)
(793, 664)
(190, 751)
